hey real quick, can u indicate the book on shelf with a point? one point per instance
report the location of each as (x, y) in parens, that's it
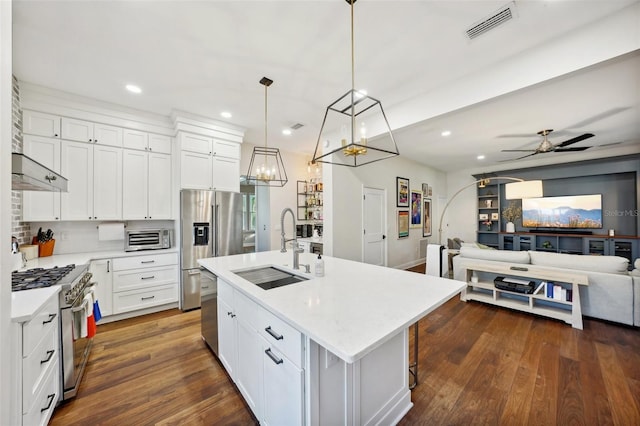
(549, 290)
(540, 286)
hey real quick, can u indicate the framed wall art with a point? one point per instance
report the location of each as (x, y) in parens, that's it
(402, 192)
(425, 189)
(426, 217)
(495, 216)
(416, 209)
(403, 223)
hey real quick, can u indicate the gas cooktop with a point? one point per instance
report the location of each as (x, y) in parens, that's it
(41, 277)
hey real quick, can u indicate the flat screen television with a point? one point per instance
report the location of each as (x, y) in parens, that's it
(571, 212)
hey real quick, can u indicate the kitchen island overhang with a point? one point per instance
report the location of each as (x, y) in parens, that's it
(354, 322)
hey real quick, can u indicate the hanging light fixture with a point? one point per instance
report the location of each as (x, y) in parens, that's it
(269, 168)
(348, 121)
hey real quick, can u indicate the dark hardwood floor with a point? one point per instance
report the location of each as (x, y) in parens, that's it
(478, 364)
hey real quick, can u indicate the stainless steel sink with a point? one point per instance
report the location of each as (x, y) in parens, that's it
(269, 277)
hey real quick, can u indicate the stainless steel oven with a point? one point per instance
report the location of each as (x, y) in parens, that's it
(74, 347)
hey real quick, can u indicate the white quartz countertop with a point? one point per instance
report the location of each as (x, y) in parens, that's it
(85, 258)
(350, 311)
(25, 304)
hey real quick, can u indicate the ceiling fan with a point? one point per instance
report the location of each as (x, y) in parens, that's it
(546, 146)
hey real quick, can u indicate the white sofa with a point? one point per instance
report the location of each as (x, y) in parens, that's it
(613, 293)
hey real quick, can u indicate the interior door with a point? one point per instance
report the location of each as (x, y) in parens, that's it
(374, 225)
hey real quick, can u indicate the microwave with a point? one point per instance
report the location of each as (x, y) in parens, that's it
(147, 239)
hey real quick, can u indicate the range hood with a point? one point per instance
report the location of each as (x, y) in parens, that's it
(29, 175)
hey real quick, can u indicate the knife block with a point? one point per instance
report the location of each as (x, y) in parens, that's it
(44, 249)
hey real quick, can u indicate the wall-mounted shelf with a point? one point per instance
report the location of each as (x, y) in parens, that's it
(310, 201)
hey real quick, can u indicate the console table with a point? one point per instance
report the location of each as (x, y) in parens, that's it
(485, 291)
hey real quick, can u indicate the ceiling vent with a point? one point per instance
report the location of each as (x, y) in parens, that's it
(296, 126)
(497, 18)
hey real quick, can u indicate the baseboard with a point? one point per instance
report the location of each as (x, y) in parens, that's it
(411, 264)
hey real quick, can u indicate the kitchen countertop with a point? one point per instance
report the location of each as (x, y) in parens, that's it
(350, 311)
(87, 257)
(26, 303)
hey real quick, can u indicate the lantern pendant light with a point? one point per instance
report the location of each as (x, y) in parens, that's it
(266, 167)
(345, 136)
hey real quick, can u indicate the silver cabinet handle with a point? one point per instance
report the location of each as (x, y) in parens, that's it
(274, 334)
(50, 398)
(49, 355)
(51, 317)
(147, 261)
(148, 278)
(147, 298)
(108, 262)
(274, 358)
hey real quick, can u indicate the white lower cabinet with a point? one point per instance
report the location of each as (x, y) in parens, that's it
(283, 388)
(102, 270)
(38, 365)
(270, 382)
(145, 281)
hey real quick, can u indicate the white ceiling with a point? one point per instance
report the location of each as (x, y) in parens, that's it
(207, 57)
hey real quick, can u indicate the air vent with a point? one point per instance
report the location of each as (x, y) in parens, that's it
(297, 126)
(499, 17)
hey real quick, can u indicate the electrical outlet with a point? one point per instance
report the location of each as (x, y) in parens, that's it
(330, 359)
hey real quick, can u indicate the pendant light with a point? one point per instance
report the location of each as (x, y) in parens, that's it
(344, 136)
(266, 167)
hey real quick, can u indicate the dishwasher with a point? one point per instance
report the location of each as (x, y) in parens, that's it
(209, 309)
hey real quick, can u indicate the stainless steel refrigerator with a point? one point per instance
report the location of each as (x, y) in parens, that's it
(211, 225)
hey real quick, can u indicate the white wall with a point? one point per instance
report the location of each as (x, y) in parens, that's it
(280, 197)
(460, 217)
(343, 209)
(7, 346)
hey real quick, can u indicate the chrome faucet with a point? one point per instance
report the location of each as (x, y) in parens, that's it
(283, 240)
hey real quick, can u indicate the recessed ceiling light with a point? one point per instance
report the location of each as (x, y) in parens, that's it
(226, 114)
(480, 157)
(446, 133)
(133, 88)
(286, 132)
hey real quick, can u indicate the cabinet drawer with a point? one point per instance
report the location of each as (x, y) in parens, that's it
(144, 278)
(280, 335)
(36, 366)
(144, 298)
(226, 149)
(225, 292)
(45, 400)
(36, 329)
(246, 309)
(150, 261)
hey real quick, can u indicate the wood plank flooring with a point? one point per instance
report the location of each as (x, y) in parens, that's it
(478, 364)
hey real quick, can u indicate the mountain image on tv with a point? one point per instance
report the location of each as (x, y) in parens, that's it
(580, 212)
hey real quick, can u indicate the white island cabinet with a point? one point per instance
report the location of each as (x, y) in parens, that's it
(333, 349)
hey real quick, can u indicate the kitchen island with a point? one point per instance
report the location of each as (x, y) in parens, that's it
(328, 350)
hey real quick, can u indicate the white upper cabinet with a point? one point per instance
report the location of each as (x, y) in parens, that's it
(40, 124)
(209, 163)
(77, 167)
(38, 205)
(107, 183)
(147, 185)
(142, 141)
(86, 131)
(135, 189)
(196, 143)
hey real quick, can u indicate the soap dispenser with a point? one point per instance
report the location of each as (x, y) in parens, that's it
(319, 266)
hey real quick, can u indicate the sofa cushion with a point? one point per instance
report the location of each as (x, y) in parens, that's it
(636, 264)
(497, 255)
(605, 264)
